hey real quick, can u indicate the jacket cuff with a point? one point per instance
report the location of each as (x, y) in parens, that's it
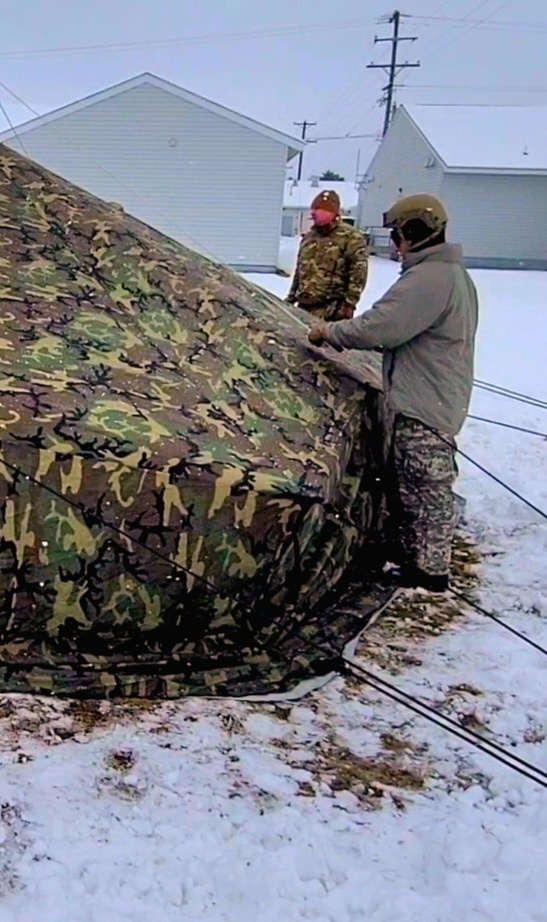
(334, 333)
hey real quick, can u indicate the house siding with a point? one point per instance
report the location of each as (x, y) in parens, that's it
(399, 164)
(202, 179)
(500, 221)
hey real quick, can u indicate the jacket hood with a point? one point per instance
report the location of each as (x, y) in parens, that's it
(442, 253)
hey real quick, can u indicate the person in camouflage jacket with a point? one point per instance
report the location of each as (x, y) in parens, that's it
(332, 266)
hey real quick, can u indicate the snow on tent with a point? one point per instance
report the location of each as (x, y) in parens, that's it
(183, 480)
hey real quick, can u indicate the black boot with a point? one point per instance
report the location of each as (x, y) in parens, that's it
(414, 578)
(375, 557)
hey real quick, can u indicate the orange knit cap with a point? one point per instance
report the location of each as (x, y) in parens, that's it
(327, 201)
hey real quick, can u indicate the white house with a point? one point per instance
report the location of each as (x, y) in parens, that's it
(299, 196)
(487, 164)
(198, 172)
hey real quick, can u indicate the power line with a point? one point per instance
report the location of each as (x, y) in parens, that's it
(280, 31)
(515, 24)
(395, 67)
(436, 10)
(485, 87)
(345, 92)
(350, 91)
(353, 128)
(355, 91)
(475, 23)
(342, 137)
(448, 30)
(490, 28)
(480, 105)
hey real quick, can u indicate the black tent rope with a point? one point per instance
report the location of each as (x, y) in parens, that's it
(498, 422)
(504, 624)
(492, 476)
(509, 395)
(494, 750)
(465, 598)
(508, 392)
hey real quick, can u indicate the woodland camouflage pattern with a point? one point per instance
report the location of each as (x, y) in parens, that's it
(331, 272)
(182, 478)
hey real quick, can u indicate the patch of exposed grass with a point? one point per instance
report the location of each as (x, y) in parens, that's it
(89, 715)
(7, 709)
(123, 760)
(368, 779)
(348, 770)
(395, 744)
(462, 691)
(417, 616)
(232, 724)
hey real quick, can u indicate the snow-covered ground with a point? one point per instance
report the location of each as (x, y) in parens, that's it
(343, 806)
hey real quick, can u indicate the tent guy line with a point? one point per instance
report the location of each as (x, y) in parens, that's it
(499, 422)
(493, 749)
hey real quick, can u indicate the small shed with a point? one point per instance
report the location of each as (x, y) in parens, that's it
(488, 164)
(201, 173)
(299, 196)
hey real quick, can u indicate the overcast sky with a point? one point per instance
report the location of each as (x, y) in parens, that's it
(313, 68)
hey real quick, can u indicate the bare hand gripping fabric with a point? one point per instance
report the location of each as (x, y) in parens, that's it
(163, 422)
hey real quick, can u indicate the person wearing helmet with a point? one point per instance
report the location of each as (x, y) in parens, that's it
(332, 266)
(425, 326)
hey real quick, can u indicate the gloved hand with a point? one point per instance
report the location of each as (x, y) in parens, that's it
(317, 335)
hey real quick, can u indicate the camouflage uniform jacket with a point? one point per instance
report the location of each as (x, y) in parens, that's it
(426, 324)
(331, 270)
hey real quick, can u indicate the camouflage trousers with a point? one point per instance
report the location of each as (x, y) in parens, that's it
(423, 467)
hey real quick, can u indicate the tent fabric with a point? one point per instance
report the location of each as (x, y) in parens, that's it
(183, 479)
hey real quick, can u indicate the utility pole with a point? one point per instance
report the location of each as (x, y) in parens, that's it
(394, 68)
(304, 126)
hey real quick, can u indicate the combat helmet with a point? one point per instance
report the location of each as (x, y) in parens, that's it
(427, 209)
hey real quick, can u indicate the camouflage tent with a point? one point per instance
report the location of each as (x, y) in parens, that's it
(182, 478)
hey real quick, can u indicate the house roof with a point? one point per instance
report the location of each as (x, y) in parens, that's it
(300, 194)
(490, 139)
(293, 145)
